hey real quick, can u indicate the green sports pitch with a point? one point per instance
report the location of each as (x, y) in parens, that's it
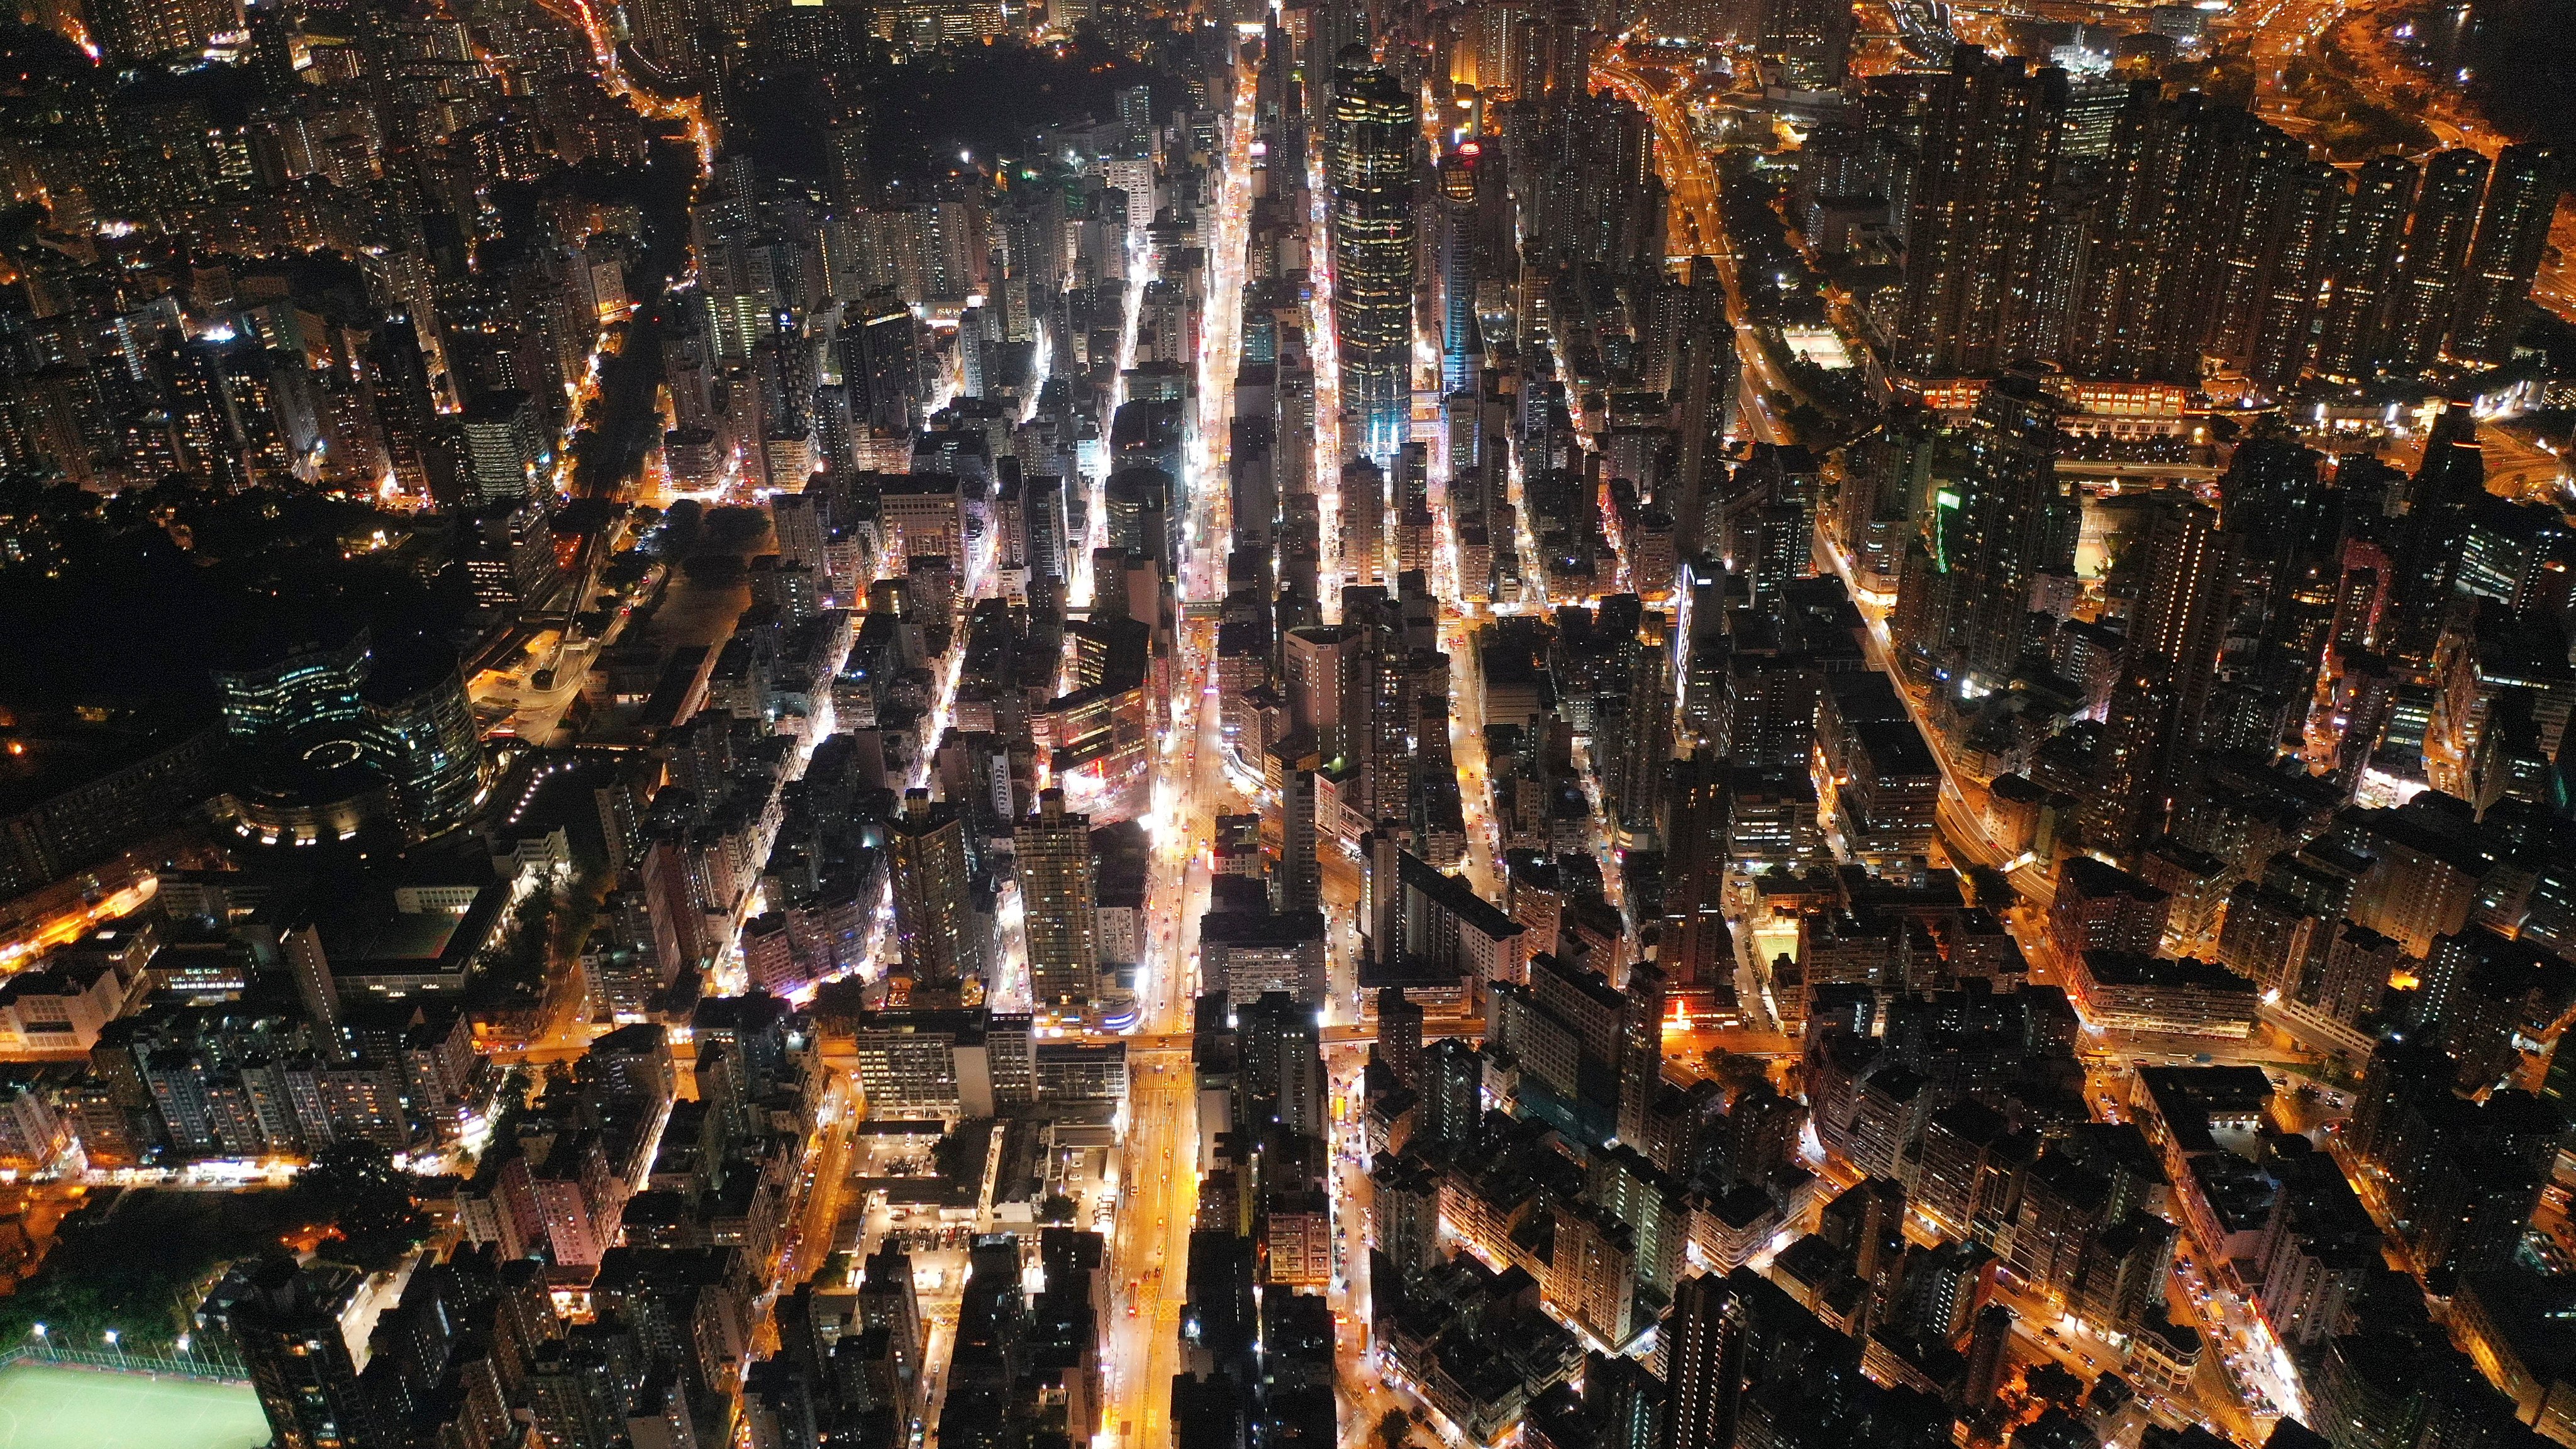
(50, 1406)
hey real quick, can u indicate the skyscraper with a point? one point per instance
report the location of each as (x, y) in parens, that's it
(932, 915)
(299, 1361)
(1060, 900)
(1555, 62)
(2257, 194)
(2303, 240)
(1704, 1342)
(1458, 267)
(1332, 27)
(2181, 613)
(1595, 195)
(141, 29)
(880, 362)
(1637, 772)
(1363, 507)
(2513, 232)
(667, 32)
(1399, 1034)
(2006, 523)
(1974, 225)
(1672, 305)
(889, 1299)
(1987, 1359)
(1325, 694)
(418, 733)
(2181, 233)
(406, 717)
(1810, 40)
(1453, 1093)
(1283, 1061)
(1641, 1050)
(1294, 761)
(1697, 948)
(1374, 127)
(2367, 251)
(2130, 763)
(2437, 250)
(1703, 383)
(310, 687)
(406, 409)
(2451, 477)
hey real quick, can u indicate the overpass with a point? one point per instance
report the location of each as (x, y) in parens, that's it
(1739, 1041)
(2115, 469)
(1161, 1045)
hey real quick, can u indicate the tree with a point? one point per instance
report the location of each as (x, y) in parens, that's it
(369, 1201)
(127, 1258)
(1810, 423)
(1736, 1072)
(1056, 1208)
(1392, 1427)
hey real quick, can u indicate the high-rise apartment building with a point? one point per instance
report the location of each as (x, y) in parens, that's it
(2304, 229)
(1290, 768)
(1283, 1062)
(2368, 248)
(2438, 234)
(2513, 232)
(1810, 40)
(2181, 614)
(1974, 224)
(1641, 1050)
(1703, 387)
(2180, 239)
(2130, 765)
(1705, 1339)
(298, 1358)
(1363, 505)
(1326, 693)
(1059, 902)
(1452, 1113)
(2008, 521)
(133, 30)
(1399, 1034)
(933, 916)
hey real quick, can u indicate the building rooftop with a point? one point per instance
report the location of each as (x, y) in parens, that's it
(1261, 928)
(2127, 968)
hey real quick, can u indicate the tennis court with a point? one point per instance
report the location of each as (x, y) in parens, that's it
(50, 1406)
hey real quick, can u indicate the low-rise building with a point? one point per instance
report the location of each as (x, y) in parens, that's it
(58, 1008)
(2180, 996)
(1474, 1346)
